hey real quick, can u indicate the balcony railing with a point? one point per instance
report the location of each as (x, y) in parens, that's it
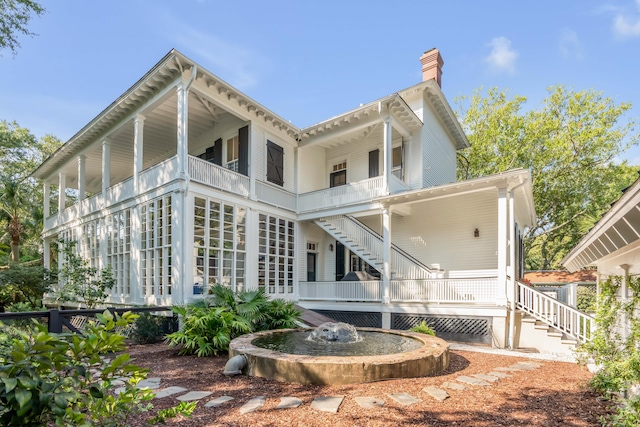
(432, 291)
(275, 196)
(353, 192)
(216, 176)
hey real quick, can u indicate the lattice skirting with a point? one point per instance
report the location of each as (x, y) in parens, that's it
(359, 319)
(463, 329)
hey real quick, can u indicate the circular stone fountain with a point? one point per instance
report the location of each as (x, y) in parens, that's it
(338, 353)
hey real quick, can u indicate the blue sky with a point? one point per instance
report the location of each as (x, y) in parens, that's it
(310, 60)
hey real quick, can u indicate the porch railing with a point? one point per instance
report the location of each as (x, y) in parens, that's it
(342, 195)
(554, 313)
(216, 176)
(275, 196)
(432, 291)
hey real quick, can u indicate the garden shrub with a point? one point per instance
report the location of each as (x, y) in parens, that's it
(64, 379)
(423, 328)
(150, 329)
(209, 325)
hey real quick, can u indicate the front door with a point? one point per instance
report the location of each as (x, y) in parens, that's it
(311, 267)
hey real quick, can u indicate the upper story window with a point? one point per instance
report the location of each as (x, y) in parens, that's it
(396, 158)
(275, 163)
(232, 153)
(338, 174)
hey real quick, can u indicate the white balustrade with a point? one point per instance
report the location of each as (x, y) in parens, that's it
(560, 316)
(218, 177)
(275, 196)
(352, 192)
(368, 291)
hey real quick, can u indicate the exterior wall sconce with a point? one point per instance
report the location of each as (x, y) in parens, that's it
(476, 233)
(330, 247)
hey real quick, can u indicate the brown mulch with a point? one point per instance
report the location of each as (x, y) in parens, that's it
(555, 394)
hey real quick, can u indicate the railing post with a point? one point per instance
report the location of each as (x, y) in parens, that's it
(55, 321)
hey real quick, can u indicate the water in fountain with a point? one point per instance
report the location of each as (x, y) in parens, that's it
(337, 339)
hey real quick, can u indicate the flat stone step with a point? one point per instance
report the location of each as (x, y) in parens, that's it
(471, 380)
(509, 369)
(150, 383)
(533, 364)
(436, 393)
(194, 395)
(453, 385)
(287, 402)
(169, 391)
(214, 403)
(253, 404)
(486, 377)
(498, 374)
(327, 403)
(523, 366)
(404, 398)
(369, 402)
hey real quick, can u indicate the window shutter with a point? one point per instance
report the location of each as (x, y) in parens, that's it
(340, 271)
(374, 163)
(275, 163)
(243, 150)
(217, 152)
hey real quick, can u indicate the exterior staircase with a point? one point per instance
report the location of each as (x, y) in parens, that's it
(368, 245)
(548, 324)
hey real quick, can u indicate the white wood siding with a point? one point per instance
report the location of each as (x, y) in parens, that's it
(439, 152)
(442, 232)
(312, 169)
(259, 139)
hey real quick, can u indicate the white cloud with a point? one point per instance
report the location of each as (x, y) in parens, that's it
(627, 25)
(570, 45)
(502, 57)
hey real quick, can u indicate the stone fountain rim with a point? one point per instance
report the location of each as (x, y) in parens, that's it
(430, 345)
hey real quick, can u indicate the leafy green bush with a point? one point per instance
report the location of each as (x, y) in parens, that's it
(210, 325)
(24, 284)
(64, 379)
(423, 328)
(206, 330)
(149, 329)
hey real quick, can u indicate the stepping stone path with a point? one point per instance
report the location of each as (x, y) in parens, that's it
(253, 404)
(327, 403)
(194, 395)
(472, 380)
(404, 398)
(331, 404)
(436, 392)
(369, 402)
(218, 401)
(288, 402)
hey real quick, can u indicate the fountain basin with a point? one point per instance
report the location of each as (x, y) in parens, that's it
(430, 358)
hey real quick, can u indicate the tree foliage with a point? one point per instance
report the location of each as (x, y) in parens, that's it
(14, 18)
(570, 144)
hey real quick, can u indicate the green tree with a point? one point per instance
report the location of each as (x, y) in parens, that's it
(570, 144)
(14, 18)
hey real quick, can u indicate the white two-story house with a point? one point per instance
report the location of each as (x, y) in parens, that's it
(184, 182)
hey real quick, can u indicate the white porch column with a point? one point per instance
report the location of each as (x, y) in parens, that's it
(386, 269)
(82, 160)
(46, 210)
(62, 195)
(502, 246)
(387, 154)
(183, 129)
(46, 253)
(136, 247)
(138, 137)
(179, 266)
(511, 291)
(106, 167)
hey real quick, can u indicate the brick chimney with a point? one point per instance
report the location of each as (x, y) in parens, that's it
(432, 66)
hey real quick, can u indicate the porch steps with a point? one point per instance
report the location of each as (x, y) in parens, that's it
(546, 339)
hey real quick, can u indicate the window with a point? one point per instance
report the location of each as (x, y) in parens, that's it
(156, 241)
(338, 175)
(275, 254)
(232, 154)
(275, 163)
(396, 167)
(119, 250)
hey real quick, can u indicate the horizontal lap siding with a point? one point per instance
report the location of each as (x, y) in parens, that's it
(312, 164)
(259, 143)
(439, 153)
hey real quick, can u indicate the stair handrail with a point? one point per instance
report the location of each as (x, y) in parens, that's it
(393, 245)
(405, 267)
(567, 319)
